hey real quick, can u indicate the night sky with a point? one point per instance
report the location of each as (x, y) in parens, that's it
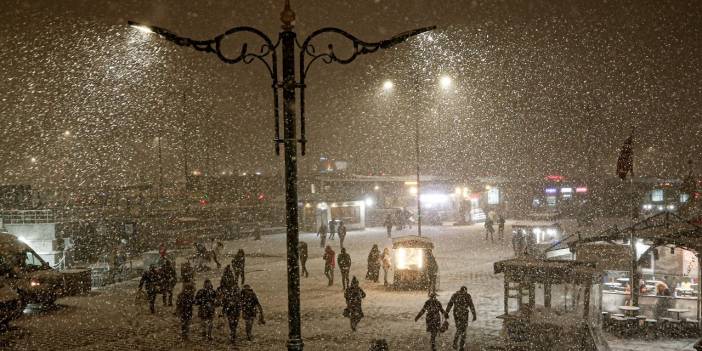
(538, 87)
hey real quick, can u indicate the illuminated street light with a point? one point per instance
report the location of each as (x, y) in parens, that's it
(388, 85)
(446, 82)
(67, 133)
(294, 73)
(33, 160)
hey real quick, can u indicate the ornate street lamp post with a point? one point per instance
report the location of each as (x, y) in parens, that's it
(267, 54)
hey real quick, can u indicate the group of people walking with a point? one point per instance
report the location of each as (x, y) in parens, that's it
(490, 227)
(327, 232)
(400, 220)
(235, 303)
(437, 318)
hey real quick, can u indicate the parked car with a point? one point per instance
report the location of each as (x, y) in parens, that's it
(27, 273)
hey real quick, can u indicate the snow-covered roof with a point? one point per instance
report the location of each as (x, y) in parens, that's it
(412, 241)
(529, 269)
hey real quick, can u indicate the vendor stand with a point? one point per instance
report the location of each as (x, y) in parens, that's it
(551, 304)
(410, 258)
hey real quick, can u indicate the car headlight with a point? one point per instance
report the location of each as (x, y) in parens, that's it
(34, 283)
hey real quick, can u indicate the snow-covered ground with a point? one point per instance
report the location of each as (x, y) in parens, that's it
(108, 319)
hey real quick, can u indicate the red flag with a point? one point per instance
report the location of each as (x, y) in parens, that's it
(625, 163)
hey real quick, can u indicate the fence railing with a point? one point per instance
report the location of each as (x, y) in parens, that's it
(27, 216)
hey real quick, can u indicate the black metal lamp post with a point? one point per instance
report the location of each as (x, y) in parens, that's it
(267, 54)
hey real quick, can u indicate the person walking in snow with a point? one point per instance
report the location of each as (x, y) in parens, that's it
(342, 234)
(250, 307)
(354, 296)
(489, 228)
(462, 304)
(329, 263)
(386, 259)
(373, 264)
(150, 281)
(432, 271)
(434, 311)
(344, 260)
(322, 234)
(228, 296)
(332, 229)
(187, 273)
(168, 281)
(206, 298)
(184, 308)
(388, 225)
(302, 252)
(501, 226)
(239, 266)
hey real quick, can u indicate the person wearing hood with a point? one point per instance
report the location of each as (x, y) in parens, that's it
(302, 252)
(206, 299)
(169, 278)
(239, 266)
(354, 296)
(322, 234)
(229, 298)
(329, 263)
(462, 304)
(184, 308)
(434, 311)
(373, 273)
(344, 261)
(250, 307)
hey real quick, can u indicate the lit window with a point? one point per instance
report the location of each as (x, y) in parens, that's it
(657, 195)
(493, 196)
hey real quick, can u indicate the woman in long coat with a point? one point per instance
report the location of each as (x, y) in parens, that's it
(354, 296)
(373, 264)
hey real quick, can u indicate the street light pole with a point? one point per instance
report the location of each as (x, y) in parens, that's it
(267, 54)
(416, 145)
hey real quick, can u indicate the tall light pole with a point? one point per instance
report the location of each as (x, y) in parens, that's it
(160, 169)
(267, 54)
(445, 82)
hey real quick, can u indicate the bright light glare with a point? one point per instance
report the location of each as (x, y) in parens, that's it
(388, 85)
(369, 202)
(446, 82)
(33, 160)
(142, 28)
(413, 190)
(67, 133)
(409, 258)
(434, 199)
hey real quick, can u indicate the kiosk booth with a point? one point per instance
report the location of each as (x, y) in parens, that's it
(410, 257)
(551, 305)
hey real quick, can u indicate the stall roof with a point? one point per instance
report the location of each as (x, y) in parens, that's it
(412, 241)
(529, 269)
(665, 228)
(529, 223)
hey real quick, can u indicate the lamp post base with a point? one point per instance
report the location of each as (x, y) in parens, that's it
(295, 345)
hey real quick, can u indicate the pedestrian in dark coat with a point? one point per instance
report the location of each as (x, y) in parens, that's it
(168, 281)
(432, 271)
(373, 273)
(342, 234)
(250, 307)
(489, 228)
(354, 296)
(150, 282)
(501, 226)
(463, 307)
(206, 299)
(187, 273)
(434, 311)
(329, 264)
(184, 308)
(388, 225)
(322, 234)
(332, 229)
(302, 251)
(230, 299)
(239, 265)
(344, 261)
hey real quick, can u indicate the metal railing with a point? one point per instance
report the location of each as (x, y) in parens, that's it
(27, 216)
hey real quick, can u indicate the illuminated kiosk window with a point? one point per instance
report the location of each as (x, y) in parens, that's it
(410, 257)
(657, 195)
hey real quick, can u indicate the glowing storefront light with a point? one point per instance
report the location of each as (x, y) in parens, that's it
(409, 258)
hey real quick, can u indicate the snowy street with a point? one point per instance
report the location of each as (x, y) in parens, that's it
(109, 320)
